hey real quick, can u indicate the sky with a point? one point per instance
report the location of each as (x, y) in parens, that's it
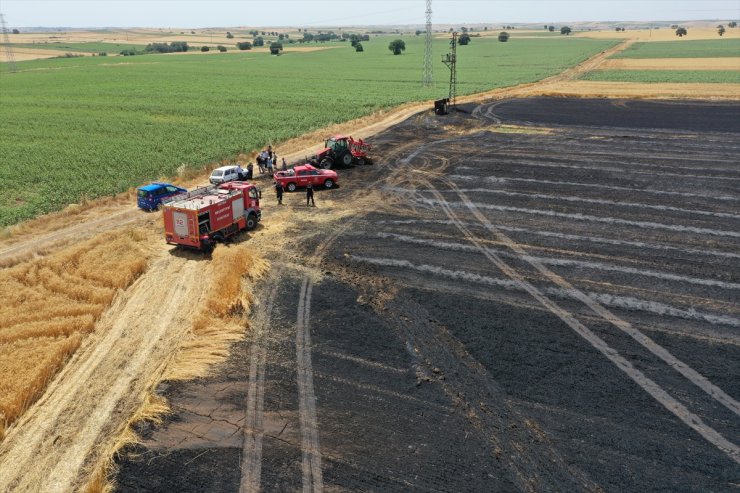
(276, 13)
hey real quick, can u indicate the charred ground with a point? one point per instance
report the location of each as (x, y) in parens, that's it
(403, 350)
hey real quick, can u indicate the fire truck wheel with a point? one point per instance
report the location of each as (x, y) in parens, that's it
(251, 222)
(329, 183)
(291, 187)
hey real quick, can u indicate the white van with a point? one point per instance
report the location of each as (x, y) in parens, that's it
(223, 174)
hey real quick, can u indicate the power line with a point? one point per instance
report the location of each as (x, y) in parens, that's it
(428, 77)
(8, 48)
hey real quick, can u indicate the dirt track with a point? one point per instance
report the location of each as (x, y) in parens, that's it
(549, 309)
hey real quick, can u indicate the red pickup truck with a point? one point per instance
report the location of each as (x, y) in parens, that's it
(300, 176)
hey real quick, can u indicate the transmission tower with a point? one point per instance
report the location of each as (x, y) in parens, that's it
(428, 78)
(8, 49)
(451, 61)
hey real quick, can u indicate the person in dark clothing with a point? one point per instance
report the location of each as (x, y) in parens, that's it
(250, 171)
(279, 192)
(309, 195)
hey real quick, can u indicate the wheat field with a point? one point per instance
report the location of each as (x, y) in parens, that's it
(51, 302)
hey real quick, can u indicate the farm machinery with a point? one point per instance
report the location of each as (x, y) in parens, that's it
(200, 218)
(342, 150)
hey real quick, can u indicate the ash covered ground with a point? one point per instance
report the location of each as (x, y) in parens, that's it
(530, 295)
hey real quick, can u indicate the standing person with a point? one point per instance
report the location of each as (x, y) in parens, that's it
(270, 154)
(309, 195)
(279, 192)
(239, 171)
(269, 165)
(262, 160)
(285, 165)
(250, 171)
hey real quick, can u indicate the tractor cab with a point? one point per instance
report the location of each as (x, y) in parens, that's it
(338, 143)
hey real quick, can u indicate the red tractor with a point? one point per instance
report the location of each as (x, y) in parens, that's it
(342, 151)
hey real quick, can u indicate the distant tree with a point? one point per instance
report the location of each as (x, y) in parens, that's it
(307, 37)
(545, 26)
(721, 30)
(16, 31)
(503, 37)
(263, 33)
(192, 32)
(464, 29)
(451, 29)
(681, 32)
(418, 32)
(204, 48)
(229, 35)
(464, 39)
(551, 28)
(102, 53)
(281, 37)
(397, 46)
(359, 48)
(276, 48)
(221, 48)
(485, 28)
(674, 26)
(565, 30)
(259, 41)
(732, 24)
(299, 29)
(244, 45)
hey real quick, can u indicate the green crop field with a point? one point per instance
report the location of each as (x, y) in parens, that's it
(110, 48)
(702, 48)
(94, 126)
(706, 76)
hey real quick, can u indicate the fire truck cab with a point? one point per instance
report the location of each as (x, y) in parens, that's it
(200, 218)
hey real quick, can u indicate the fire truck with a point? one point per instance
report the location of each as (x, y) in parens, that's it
(200, 218)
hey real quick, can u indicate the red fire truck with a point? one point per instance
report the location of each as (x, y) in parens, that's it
(199, 218)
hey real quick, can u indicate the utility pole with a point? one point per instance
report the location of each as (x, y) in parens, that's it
(451, 61)
(428, 77)
(8, 49)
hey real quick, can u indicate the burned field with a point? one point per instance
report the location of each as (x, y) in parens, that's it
(531, 295)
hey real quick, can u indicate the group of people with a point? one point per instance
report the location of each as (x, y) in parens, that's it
(267, 161)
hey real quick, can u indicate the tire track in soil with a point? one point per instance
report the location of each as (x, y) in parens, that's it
(312, 478)
(652, 388)
(254, 425)
(70, 428)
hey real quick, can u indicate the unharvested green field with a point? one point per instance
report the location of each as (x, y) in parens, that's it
(701, 48)
(706, 76)
(94, 126)
(110, 48)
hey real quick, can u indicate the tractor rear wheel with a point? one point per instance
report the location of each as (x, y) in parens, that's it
(346, 159)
